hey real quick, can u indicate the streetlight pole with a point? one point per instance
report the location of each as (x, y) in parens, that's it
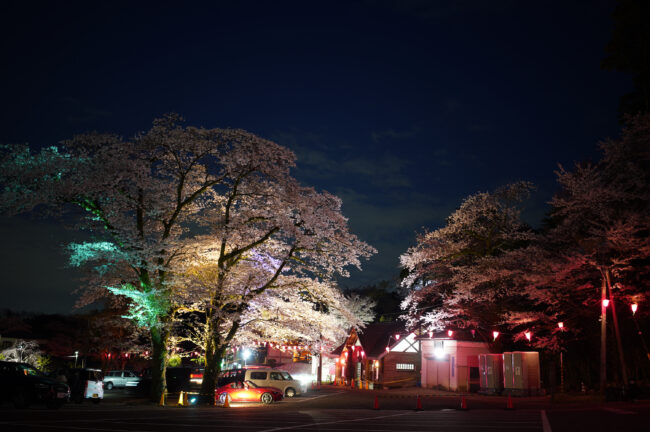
(638, 329)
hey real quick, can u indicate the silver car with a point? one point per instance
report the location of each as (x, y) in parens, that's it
(120, 378)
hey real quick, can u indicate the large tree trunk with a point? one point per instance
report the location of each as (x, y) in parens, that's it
(214, 353)
(159, 340)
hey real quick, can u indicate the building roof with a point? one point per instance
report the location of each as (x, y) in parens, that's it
(374, 338)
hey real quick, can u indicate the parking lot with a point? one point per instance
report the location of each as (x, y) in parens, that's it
(332, 410)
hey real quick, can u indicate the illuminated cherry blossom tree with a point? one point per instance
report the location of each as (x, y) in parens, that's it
(598, 246)
(270, 234)
(154, 203)
(463, 274)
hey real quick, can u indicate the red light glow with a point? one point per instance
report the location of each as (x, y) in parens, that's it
(560, 325)
(634, 307)
(528, 335)
(450, 333)
(495, 335)
(605, 302)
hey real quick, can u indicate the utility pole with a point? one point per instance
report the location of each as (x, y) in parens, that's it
(603, 335)
(619, 344)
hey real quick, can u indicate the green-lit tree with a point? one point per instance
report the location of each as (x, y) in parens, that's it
(156, 203)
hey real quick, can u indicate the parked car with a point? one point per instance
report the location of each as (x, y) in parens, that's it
(86, 383)
(120, 378)
(196, 376)
(23, 384)
(264, 377)
(178, 379)
(247, 391)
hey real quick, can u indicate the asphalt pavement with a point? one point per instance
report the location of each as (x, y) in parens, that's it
(335, 409)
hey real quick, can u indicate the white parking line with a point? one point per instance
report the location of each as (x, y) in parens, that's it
(315, 397)
(619, 411)
(334, 422)
(546, 426)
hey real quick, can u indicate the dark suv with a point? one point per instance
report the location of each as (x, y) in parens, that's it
(23, 384)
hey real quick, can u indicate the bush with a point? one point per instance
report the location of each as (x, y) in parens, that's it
(174, 361)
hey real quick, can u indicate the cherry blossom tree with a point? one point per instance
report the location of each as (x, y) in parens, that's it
(598, 247)
(296, 309)
(464, 274)
(148, 202)
(270, 234)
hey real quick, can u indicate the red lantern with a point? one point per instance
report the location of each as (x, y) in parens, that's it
(634, 307)
(495, 334)
(605, 302)
(560, 325)
(528, 335)
(450, 333)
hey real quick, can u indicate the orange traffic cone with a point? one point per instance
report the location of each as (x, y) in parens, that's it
(418, 404)
(463, 403)
(376, 405)
(509, 405)
(226, 403)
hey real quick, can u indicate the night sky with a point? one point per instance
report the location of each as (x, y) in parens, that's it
(400, 108)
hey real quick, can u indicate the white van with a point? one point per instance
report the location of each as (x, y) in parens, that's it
(120, 378)
(264, 377)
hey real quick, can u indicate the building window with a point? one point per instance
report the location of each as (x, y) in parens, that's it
(405, 366)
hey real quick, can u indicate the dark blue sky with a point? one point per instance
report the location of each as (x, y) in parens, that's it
(400, 108)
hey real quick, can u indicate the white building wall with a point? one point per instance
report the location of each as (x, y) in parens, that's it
(445, 362)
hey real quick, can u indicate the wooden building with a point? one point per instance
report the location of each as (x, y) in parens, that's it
(381, 355)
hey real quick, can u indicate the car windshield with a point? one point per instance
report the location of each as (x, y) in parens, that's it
(28, 370)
